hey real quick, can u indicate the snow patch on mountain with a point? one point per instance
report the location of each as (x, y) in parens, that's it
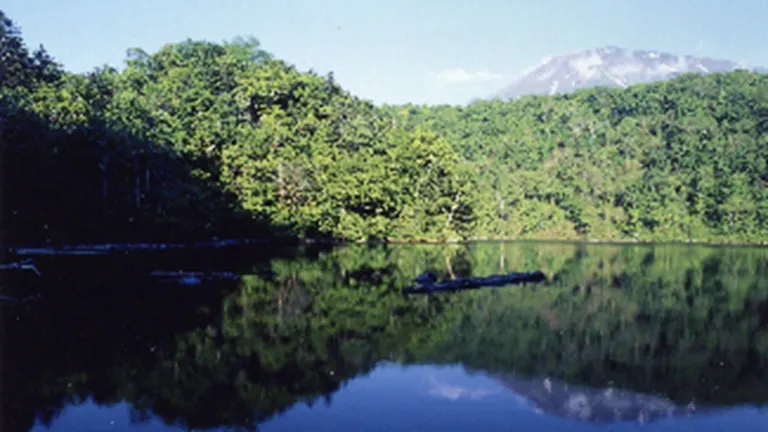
(609, 66)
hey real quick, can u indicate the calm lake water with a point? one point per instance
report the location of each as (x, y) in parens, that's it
(619, 338)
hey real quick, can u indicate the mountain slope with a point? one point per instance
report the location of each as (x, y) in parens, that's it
(609, 66)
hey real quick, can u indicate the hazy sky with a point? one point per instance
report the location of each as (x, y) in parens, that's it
(396, 51)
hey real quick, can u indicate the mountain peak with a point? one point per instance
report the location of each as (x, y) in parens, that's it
(610, 66)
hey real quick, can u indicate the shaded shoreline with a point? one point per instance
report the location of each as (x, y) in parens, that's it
(110, 247)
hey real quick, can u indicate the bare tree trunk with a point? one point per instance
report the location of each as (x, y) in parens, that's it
(449, 267)
(454, 207)
(502, 260)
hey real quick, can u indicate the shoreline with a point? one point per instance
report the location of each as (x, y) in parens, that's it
(539, 240)
(215, 243)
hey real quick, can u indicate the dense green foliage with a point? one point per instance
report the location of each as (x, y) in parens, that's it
(207, 138)
(684, 322)
(683, 159)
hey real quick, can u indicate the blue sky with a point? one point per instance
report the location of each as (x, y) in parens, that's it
(397, 51)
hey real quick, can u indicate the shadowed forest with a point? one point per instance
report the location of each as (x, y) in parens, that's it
(203, 139)
(685, 323)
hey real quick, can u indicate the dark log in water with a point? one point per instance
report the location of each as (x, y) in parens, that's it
(105, 248)
(192, 278)
(26, 264)
(427, 282)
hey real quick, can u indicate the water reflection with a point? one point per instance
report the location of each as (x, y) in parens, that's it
(396, 398)
(323, 340)
(600, 405)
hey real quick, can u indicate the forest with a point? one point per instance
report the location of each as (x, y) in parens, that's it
(204, 139)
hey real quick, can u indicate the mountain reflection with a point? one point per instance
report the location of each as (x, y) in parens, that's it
(601, 405)
(673, 330)
(455, 392)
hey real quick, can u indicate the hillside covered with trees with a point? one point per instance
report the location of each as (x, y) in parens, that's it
(201, 139)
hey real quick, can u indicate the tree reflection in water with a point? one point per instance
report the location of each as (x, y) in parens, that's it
(663, 325)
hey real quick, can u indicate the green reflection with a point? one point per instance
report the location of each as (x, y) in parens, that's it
(684, 322)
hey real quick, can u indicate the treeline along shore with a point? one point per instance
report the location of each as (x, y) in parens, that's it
(203, 139)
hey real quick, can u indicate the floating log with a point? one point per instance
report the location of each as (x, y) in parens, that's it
(9, 299)
(106, 248)
(427, 282)
(26, 264)
(192, 278)
(53, 251)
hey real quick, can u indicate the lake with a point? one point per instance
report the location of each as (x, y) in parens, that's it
(618, 337)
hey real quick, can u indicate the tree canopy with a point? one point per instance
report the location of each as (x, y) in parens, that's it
(203, 138)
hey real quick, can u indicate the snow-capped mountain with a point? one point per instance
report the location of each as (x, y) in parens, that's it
(609, 66)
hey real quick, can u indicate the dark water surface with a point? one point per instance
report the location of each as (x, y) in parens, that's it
(618, 338)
